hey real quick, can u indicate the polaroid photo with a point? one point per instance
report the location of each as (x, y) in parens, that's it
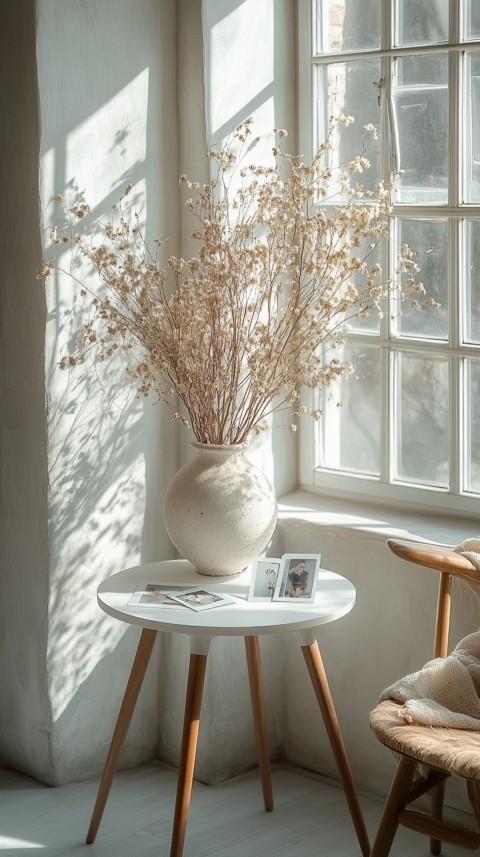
(154, 595)
(264, 578)
(201, 599)
(297, 578)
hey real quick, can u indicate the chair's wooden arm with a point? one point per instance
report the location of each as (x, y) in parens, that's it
(439, 557)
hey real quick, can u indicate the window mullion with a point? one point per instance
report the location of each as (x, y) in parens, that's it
(387, 448)
(387, 25)
(385, 464)
(456, 148)
(457, 434)
(455, 22)
(305, 82)
(455, 395)
(455, 123)
(386, 412)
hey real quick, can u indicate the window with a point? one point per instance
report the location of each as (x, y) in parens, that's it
(408, 429)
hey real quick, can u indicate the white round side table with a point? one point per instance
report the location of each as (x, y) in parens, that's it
(335, 597)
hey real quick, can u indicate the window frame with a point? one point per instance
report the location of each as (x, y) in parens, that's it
(384, 488)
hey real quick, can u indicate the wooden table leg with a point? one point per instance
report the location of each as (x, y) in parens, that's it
(137, 674)
(191, 723)
(318, 677)
(256, 691)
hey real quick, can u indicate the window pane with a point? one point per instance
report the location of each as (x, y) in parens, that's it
(421, 119)
(355, 96)
(428, 240)
(422, 23)
(472, 137)
(351, 433)
(471, 318)
(472, 19)
(348, 25)
(370, 324)
(472, 452)
(421, 420)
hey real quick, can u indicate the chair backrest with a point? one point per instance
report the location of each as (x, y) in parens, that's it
(450, 564)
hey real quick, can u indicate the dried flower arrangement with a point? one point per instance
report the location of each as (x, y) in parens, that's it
(264, 304)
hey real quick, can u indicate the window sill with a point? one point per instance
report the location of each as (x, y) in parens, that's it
(374, 520)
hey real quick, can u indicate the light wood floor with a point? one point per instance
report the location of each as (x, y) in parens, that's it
(310, 818)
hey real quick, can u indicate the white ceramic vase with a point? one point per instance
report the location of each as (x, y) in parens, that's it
(220, 510)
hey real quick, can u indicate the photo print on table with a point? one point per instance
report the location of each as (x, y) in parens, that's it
(153, 595)
(297, 577)
(202, 599)
(264, 578)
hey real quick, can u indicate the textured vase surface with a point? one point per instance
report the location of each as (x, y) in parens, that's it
(220, 510)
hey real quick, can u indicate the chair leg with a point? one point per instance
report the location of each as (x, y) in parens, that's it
(137, 674)
(191, 724)
(319, 681)
(396, 800)
(435, 799)
(256, 690)
(473, 789)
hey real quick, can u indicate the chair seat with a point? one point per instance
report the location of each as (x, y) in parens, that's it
(451, 750)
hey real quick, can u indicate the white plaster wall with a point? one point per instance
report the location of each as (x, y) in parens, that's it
(107, 93)
(107, 80)
(24, 708)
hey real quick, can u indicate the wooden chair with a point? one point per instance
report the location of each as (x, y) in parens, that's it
(442, 751)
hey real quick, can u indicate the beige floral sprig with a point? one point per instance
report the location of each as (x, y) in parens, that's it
(264, 304)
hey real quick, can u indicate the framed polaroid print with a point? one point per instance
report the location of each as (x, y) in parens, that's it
(154, 595)
(264, 578)
(297, 577)
(201, 599)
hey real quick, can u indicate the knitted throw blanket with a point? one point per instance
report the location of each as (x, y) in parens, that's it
(446, 691)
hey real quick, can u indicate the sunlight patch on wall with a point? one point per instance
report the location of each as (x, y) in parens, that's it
(97, 507)
(102, 151)
(240, 61)
(96, 442)
(97, 491)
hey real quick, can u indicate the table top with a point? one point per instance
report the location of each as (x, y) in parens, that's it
(335, 597)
